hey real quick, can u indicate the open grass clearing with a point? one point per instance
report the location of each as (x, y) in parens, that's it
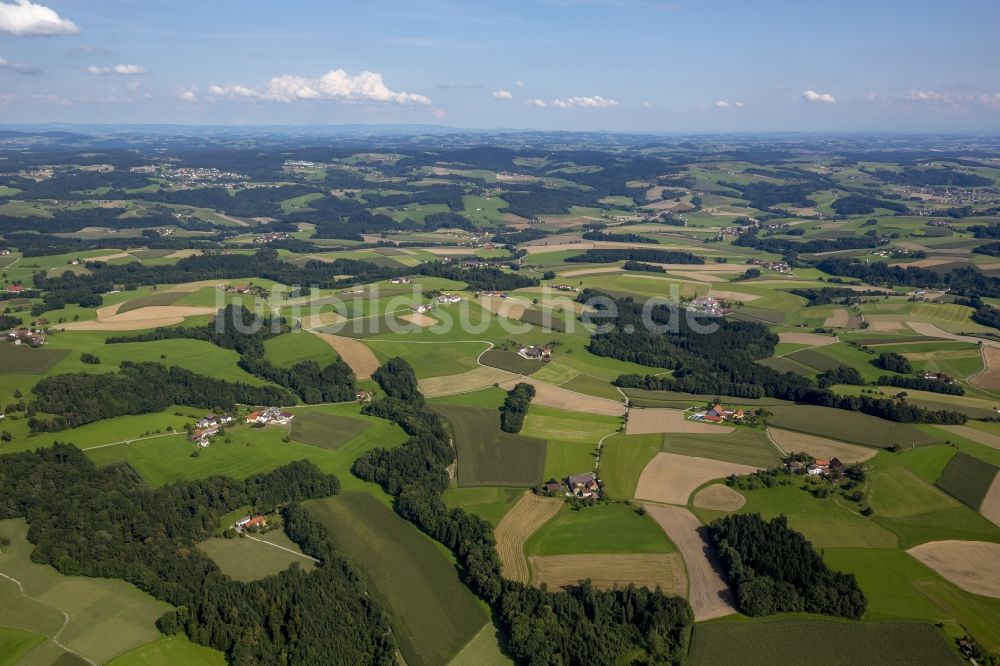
(356, 354)
(719, 497)
(325, 430)
(255, 556)
(297, 346)
(811, 339)
(547, 422)
(623, 457)
(967, 479)
(611, 528)
(473, 380)
(158, 298)
(491, 503)
(511, 362)
(15, 643)
(22, 360)
(670, 478)
(149, 316)
(174, 650)
(433, 614)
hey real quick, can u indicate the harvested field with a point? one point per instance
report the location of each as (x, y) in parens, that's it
(707, 278)
(989, 378)
(159, 298)
(596, 270)
(449, 251)
(141, 318)
(355, 354)
(974, 434)
(191, 287)
(734, 295)
(708, 592)
(321, 320)
(504, 307)
(819, 447)
(719, 497)
(885, 326)
(419, 319)
(926, 263)
(972, 565)
(670, 478)
(473, 380)
(642, 421)
(990, 508)
(560, 398)
(514, 529)
(665, 571)
(838, 319)
(814, 339)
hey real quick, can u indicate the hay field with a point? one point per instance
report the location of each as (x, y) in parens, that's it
(974, 566)
(418, 319)
(355, 354)
(320, 320)
(670, 478)
(989, 378)
(740, 296)
(606, 571)
(597, 270)
(517, 525)
(571, 401)
(839, 318)
(814, 339)
(719, 497)
(708, 593)
(473, 380)
(503, 307)
(976, 435)
(255, 557)
(643, 421)
(819, 447)
(151, 316)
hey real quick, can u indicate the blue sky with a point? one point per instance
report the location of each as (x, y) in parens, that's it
(634, 65)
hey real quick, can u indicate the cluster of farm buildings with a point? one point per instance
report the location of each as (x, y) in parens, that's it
(581, 486)
(718, 414)
(821, 467)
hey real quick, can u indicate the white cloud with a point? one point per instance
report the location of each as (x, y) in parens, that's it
(502, 94)
(15, 67)
(739, 105)
(647, 105)
(540, 103)
(722, 104)
(595, 102)
(518, 84)
(189, 96)
(123, 70)
(950, 98)
(818, 98)
(23, 17)
(334, 85)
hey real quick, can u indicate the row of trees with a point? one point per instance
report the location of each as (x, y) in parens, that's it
(576, 626)
(608, 255)
(106, 522)
(965, 281)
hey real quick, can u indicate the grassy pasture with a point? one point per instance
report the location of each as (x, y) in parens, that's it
(547, 422)
(488, 502)
(488, 456)
(745, 446)
(623, 457)
(604, 528)
(174, 650)
(291, 348)
(325, 430)
(433, 614)
(430, 359)
(247, 559)
(106, 617)
(15, 643)
(790, 639)
(967, 479)
(590, 385)
(847, 426)
(643, 398)
(21, 360)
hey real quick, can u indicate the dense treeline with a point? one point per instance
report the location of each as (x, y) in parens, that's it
(106, 522)
(137, 388)
(842, 374)
(774, 569)
(932, 177)
(785, 246)
(989, 249)
(242, 330)
(719, 358)
(965, 281)
(32, 244)
(859, 204)
(581, 625)
(608, 255)
(643, 267)
(9, 321)
(618, 237)
(768, 195)
(481, 279)
(515, 407)
(991, 230)
(828, 295)
(894, 362)
(921, 384)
